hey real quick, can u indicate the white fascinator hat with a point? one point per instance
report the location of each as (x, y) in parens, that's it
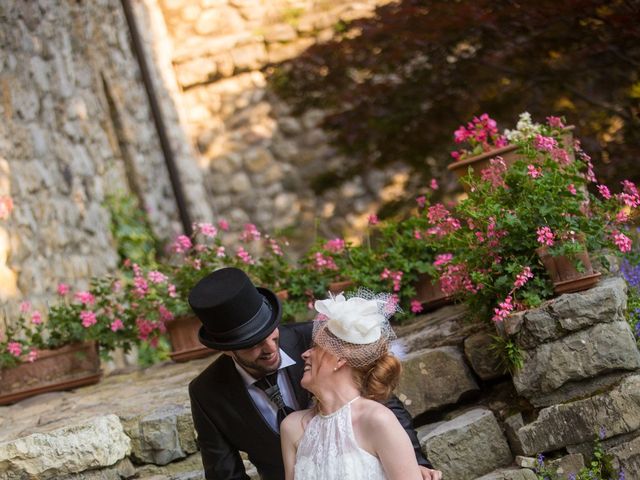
(355, 326)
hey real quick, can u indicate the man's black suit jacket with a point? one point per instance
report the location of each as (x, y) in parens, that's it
(227, 420)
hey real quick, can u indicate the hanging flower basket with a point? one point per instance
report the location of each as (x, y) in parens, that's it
(183, 335)
(563, 272)
(63, 368)
(429, 292)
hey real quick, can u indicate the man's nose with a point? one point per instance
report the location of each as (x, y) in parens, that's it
(270, 345)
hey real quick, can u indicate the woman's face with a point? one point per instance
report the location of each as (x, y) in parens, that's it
(318, 367)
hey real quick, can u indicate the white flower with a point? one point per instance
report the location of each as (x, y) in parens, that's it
(356, 320)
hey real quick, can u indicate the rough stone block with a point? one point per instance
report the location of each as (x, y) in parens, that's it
(566, 465)
(156, 438)
(582, 355)
(627, 457)
(510, 474)
(482, 359)
(433, 378)
(99, 442)
(617, 410)
(468, 446)
(606, 302)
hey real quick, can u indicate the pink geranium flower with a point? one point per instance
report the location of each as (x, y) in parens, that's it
(572, 189)
(373, 219)
(416, 306)
(14, 348)
(545, 236)
(36, 317)
(116, 325)
(63, 289)
(182, 244)
(224, 225)
(86, 298)
(622, 241)
(88, 318)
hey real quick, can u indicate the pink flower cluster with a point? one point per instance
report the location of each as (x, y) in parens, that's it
(442, 221)
(250, 233)
(88, 318)
(245, 256)
(324, 262)
(416, 306)
(504, 309)
(629, 195)
(455, 278)
(182, 244)
(494, 173)
(523, 277)
(335, 245)
(622, 241)
(147, 327)
(206, 229)
(533, 171)
(395, 276)
(545, 236)
(482, 131)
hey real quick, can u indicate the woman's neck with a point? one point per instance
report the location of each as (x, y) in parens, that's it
(334, 396)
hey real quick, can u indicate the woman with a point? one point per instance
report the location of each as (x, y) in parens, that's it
(349, 370)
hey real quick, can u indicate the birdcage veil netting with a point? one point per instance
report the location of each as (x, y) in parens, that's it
(369, 313)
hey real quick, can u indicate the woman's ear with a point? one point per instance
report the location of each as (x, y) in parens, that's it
(339, 364)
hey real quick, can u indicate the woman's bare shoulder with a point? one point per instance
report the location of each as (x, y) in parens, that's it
(373, 413)
(294, 425)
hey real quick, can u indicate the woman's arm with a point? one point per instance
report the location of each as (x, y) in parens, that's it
(290, 432)
(392, 446)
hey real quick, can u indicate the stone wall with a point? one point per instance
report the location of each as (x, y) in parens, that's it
(258, 158)
(475, 421)
(75, 126)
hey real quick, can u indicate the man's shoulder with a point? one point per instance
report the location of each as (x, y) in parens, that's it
(302, 330)
(218, 372)
(295, 338)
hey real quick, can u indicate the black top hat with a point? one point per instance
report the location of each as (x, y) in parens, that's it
(234, 313)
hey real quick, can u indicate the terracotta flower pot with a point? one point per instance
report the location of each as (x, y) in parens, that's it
(429, 293)
(509, 154)
(183, 335)
(479, 162)
(564, 275)
(339, 287)
(63, 368)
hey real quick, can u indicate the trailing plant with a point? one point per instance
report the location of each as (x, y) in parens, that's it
(131, 229)
(512, 212)
(599, 467)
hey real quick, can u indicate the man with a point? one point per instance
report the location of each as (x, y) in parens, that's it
(238, 401)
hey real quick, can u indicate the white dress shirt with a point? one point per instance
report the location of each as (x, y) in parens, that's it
(261, 400)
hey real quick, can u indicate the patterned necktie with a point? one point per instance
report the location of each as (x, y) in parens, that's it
(269, 385)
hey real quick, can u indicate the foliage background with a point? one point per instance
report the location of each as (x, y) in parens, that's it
(397, 85)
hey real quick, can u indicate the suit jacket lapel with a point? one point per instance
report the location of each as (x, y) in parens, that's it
(238, 396)
(296, 371)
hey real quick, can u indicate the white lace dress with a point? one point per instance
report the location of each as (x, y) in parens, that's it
(328, 451)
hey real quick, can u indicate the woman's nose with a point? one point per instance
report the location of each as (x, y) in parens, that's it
(305, 355)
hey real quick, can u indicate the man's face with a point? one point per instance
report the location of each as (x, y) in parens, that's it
(261, 359)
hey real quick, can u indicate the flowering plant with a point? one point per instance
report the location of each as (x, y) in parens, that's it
(480, 135)
(96, 314)
(261, 256)
(510, 212)
(392, 256)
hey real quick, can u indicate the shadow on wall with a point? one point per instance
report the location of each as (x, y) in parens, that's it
(395, 86)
